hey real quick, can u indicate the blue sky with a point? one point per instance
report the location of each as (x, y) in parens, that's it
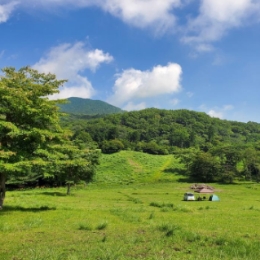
(202, 55)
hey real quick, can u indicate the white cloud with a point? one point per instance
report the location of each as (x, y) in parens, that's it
(214, 113)
(216, 17)
(66, 59)
(82, 92)
(69, 61)
(143, 13)
(6, 10)
(228, 107)
(130, 106)
(134, 84)
(140, 13)
(219, 112)
(204, 47)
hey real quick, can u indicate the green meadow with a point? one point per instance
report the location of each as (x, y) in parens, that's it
(132, 210)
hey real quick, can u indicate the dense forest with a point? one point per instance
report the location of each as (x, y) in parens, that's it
(211, 149)
(161, 131)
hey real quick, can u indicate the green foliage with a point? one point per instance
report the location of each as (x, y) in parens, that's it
(160, 131)
(224, 163)
(32, 142)
(74, 164)
(204, 167)
(251, 163)
(112, 146)
(153, 148)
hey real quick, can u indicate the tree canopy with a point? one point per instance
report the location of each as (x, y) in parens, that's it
(169, 129)
(31, 138)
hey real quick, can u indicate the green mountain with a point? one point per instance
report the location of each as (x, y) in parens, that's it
(81, 106)
(158, 130)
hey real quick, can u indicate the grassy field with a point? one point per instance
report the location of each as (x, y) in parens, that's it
(133, 210)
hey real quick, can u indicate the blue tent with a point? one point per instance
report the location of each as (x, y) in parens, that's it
(214, 198)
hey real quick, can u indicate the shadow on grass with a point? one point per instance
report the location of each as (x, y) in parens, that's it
(53, 193)
(185, 179)
(179, 172)
(47, 193)
(30, 209)
(176, 171)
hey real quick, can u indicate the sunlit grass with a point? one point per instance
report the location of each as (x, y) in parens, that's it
(142, 220)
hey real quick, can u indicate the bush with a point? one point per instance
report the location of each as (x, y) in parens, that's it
(112, 146)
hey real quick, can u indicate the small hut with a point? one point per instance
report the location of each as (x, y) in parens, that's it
(204, 190)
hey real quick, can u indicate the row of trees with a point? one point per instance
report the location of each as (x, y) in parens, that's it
(32, 142)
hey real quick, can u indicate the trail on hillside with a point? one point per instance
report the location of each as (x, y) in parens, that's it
(157, 175)
(128, 167)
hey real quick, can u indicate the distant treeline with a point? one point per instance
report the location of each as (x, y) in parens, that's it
(159, 131)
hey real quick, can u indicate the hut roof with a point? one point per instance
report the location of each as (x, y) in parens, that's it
(204, 190)
(197, 186)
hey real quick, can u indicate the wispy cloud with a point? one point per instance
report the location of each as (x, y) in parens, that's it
(228, 107)
(69, 61)
(2, 54)
(175, 101)
(216, 18)
(143, 13)
(189, 94)
(219, 112)
(133, 84)
(214, 113)
(148, 13)
(130, 106)
(6, 10)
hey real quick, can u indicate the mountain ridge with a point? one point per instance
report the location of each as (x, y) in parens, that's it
(86, 106)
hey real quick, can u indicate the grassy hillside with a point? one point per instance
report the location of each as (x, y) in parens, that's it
(120, 216)
(129, 167)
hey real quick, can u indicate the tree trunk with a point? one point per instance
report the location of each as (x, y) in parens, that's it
(68, 189)
(2, 190)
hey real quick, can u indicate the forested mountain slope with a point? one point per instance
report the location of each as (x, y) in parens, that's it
(81, 106)
(153, 128)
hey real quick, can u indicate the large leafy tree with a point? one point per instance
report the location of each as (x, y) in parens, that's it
(204, 167)
(112, 146)
(30, 135)
(74, 164)
(229, 156)
(251, 162)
